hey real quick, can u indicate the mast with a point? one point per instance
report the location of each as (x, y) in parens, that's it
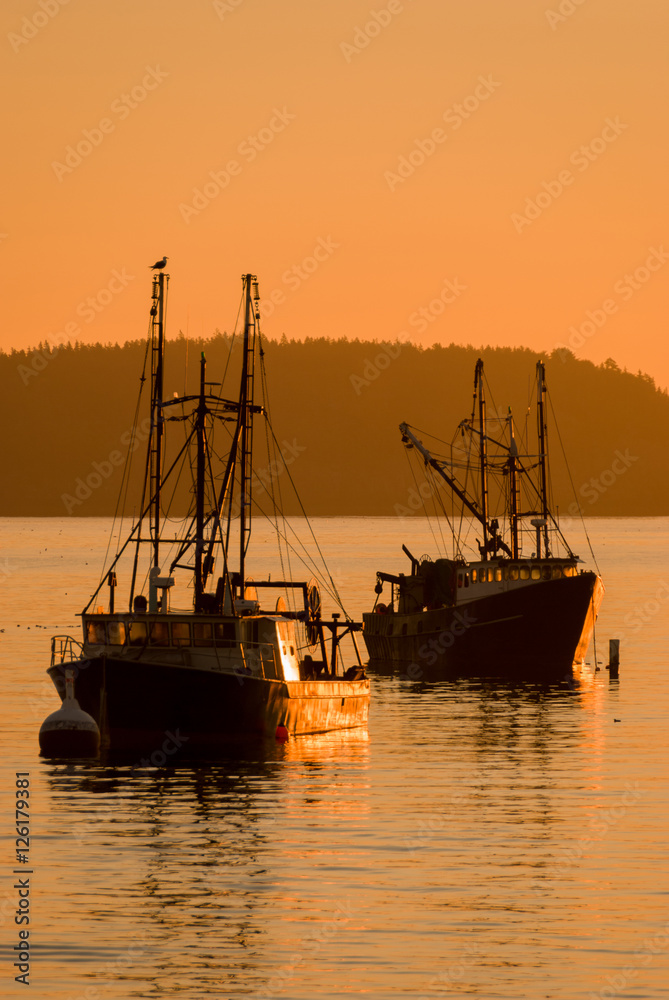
(160, 282)
(543, 444)
(153, 468)
(199, 485)
(251, 316)
(483, 453)
(514, 489)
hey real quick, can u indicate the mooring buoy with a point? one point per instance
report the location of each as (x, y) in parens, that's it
(69, 731)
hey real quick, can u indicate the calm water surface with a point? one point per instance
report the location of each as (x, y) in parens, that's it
(480, 839)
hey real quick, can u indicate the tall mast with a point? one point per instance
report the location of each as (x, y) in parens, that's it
(251, 316)
(199, 485)
(160, 282)
(483, 451)
(543, 444)
(514, 488)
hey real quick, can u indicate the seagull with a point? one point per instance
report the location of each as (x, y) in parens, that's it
(159, 265)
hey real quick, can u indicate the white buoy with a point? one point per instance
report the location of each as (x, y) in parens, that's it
(69, 732)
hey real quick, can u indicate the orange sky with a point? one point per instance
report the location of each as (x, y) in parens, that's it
(366, 164)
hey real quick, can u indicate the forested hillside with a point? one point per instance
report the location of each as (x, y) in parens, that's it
(335, 409)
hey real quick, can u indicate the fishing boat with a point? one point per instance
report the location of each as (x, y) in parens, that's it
(523, 602)
(241, 657)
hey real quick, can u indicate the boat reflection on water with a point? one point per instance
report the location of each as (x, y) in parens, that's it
(482, 675)
(209, 775)
(240, 874)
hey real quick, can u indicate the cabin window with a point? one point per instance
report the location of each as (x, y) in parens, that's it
(404, 629)
(557, 572)
(466, 579)
(513, 572)
(252, 632)
(545, 572)
(159, 634)
(524, 572)
(569, 571)
(474, 574)
(536, 572)
(419, 627)
(137, 633)
(203, 634)
(180, 634)
(95, 633)
(491, 574)
(116, 632)
(292, 651)
(459, 579)
(498, 574)
(225, 632)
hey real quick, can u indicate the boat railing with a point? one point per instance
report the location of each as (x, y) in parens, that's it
(64, 649)
(261, 662)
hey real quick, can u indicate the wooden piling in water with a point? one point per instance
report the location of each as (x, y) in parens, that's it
(614, 657)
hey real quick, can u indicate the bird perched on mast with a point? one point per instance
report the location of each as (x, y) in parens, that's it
(159, 265)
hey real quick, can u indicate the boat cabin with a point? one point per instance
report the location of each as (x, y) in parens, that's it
(264, 645)
(447, 582)
(519, 573)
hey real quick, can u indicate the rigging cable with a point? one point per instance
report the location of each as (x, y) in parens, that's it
(270, 443)
(429, 520)
(307, 561)
(557, 428)
(463, 541)
(122, 497)
(438, 497)
(334, 593)
(232, 343)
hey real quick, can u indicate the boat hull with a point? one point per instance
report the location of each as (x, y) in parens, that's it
(139, 705)
(541, 629)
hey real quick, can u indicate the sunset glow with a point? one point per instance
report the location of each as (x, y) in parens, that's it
(358, 159)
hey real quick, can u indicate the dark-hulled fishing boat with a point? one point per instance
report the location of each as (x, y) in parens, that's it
(509, 609)
(236, 663)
